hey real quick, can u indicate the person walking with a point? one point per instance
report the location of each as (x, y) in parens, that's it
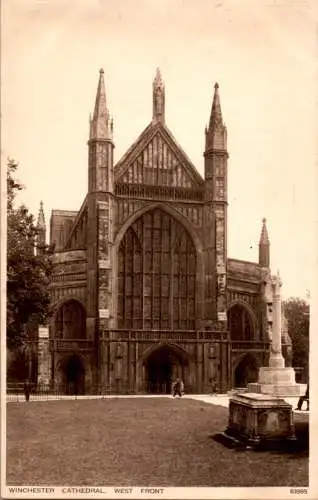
(303, 398)
(176, 390)
(27, 389)
(182, 388)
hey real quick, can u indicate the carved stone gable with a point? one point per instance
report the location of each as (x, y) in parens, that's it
(158, 165)
(156, 159)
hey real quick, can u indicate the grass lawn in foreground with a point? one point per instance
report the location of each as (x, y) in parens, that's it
(135, 442)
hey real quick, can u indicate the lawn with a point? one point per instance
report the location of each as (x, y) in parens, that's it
(136, 442)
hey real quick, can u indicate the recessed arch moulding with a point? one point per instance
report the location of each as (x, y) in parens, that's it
(170, 268)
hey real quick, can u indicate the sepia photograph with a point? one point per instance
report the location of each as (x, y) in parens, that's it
(159, 232)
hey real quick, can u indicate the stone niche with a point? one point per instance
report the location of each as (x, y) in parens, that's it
(260, 420)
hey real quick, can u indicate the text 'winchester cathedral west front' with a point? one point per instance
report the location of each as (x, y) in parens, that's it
(143, 290)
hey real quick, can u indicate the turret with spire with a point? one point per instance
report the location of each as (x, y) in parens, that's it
(100, 203)
(100, 125)
(158, 98)
(100, 143)
(41, 229)
(215, 211)
(264, 253)
(215, 133)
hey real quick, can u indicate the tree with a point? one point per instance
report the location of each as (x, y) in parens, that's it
(297, 314)
(28, 268)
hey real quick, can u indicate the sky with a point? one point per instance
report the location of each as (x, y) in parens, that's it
(263, 55)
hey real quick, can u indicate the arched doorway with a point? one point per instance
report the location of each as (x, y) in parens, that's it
(240, 323)
(162, 367)
(70, 320)
(246, 371)
(73, 372)
(157, 274)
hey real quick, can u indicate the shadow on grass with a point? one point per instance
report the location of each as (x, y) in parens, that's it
(300, 447)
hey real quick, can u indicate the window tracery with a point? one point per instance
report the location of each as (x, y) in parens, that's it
(156, 275)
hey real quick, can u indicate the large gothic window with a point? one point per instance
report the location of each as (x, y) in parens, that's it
(156, 275)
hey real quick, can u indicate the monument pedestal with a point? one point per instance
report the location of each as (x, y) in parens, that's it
(260, 421)
(277, 381)
(261, 418)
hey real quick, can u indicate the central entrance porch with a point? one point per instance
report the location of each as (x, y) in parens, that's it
(162, 367)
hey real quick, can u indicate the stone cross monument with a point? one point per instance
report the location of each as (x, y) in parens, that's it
(261, 417)
(276, 359)
(276, 379)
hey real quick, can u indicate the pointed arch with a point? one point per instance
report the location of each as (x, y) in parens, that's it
(169, 210)
(183, 221)
(179, 351)
(162, 364)
(72, 369)
(242, 321)
(156, 277)
(58, 303)
(63, 361)
(245, 370)
(69, 319)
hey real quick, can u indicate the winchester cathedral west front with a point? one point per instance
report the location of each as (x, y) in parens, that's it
(143, 289)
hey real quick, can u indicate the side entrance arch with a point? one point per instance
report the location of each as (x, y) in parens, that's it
(162, 367)
(246, 371)
(73, 374)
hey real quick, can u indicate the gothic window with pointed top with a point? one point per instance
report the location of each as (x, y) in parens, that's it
(70, 320)
(166, 290)
(240, 323)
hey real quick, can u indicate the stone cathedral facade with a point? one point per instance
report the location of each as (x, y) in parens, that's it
(143, 289)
